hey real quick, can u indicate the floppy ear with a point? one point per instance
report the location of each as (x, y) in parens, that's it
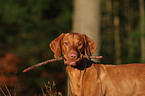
(90, 45)
(55, 45)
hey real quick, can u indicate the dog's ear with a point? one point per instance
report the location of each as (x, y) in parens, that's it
(55, 45)
(90, 45)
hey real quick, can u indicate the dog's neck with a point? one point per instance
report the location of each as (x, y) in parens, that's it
(76, 73)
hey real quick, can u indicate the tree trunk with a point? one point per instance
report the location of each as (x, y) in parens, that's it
(86, 19)
(142, 31)
(109, 14)
(116, 34)
(128, 28)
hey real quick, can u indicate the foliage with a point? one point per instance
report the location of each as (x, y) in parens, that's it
(129, 20)
(26, 29)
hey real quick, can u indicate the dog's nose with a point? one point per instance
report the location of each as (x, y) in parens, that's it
(73, 56)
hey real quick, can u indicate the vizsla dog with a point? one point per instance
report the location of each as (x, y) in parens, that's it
(88, 78)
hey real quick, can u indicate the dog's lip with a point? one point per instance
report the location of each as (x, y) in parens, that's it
(72, 62)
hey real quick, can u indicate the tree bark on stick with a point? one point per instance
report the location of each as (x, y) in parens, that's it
(57, 59)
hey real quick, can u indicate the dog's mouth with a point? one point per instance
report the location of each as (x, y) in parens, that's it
(73, 62)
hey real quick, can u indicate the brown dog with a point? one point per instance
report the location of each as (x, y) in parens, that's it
(88, 78)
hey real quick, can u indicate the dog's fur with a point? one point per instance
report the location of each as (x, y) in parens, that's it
(88, 78)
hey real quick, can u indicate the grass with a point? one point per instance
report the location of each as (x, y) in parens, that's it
(7, 91)
(50, 90)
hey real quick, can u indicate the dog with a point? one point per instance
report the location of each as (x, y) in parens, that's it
(88, 78)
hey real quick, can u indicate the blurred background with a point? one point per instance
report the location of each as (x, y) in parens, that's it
(28, 26)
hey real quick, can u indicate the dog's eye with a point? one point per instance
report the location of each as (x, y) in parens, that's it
(66, 43)
(80, 43)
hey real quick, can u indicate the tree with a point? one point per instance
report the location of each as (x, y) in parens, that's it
(116, 33)
(142, 31)
(86, 19)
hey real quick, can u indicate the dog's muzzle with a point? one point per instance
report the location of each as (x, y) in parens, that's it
(73, 62)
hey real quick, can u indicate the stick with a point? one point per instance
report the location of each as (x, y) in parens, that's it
(43, 63)
(56, 59)
(93, 57)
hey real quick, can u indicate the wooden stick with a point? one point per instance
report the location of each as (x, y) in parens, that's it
(56, 59)
(43, 63)
(93, 57)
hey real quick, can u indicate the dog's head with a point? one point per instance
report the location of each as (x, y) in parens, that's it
(73, 46)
